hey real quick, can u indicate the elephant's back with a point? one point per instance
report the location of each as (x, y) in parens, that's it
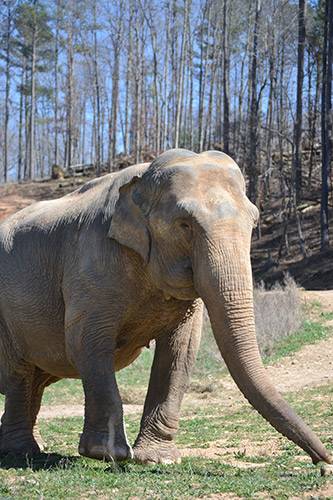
(95, 200)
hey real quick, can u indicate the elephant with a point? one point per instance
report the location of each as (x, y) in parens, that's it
(88, 280)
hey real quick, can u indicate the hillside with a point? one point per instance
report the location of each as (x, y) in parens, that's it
(314, 272)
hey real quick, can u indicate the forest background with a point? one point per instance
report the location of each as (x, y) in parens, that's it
(103, 84)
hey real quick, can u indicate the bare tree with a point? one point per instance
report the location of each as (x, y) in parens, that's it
(226, 77)
(10, 7)
(20, 134)
(56, 86)
(326, 123)
(204, 70)
(253, 112)
(166, 78)
(97, 92)
(115, 25)
(297, 163)
(181, 76)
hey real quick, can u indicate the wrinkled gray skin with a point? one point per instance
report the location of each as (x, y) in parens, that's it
(88, 280)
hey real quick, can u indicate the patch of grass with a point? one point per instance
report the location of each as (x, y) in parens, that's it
(66, 391)
(316, 305)
(309, 333)
(195, 478)
(209, 359)
(138, 372)
(61, 473)
(327, 316)
(210, 362)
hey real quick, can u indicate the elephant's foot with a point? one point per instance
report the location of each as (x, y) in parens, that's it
(100, 446)
(18, 444)
(156, 453)
(38, 438)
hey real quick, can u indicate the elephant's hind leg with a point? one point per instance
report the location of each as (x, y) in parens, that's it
(175, 355)
(40, 381)
(16, 429)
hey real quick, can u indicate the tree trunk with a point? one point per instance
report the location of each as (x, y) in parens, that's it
(8, 76)
(138, 96)
(56, 85)
(97, 97)
(114, 107)
(226, 78)
(191, 100)
(32, 154)
(165, 78)
(209, 132)
(69, 96)
(181, 79)
(253, 131)
(26, 121)
(203, 77)
(128, 74)
(326, 126)
(241, 138)
(20, 145)
(297, 167)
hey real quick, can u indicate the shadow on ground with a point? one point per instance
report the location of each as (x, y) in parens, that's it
(43, 461)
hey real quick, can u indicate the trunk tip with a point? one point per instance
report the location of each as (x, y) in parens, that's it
(324, 456)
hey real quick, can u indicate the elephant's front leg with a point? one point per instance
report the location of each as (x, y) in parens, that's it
(103, 434)
(175, 356)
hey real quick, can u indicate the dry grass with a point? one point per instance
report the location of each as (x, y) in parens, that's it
(278, 313)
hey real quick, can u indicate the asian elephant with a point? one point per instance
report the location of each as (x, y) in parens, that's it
(88, 280)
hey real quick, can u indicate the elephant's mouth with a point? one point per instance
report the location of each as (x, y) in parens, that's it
(187, 292)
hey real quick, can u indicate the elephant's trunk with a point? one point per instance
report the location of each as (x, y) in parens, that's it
(224, 282)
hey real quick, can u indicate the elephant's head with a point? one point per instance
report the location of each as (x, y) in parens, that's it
(191, 222)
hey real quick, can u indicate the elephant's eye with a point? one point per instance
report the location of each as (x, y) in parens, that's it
(185, 227)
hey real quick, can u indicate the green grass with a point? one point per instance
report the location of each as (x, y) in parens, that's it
(195, 478)
(327, 316)
(61, 473)
(310, 332)
(64, 392)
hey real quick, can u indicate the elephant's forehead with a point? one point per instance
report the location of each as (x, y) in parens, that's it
(206, 182)
(205, 190)
(203, 174)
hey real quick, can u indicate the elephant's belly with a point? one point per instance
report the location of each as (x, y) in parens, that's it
(45, 347)
(59, 368)
(53, 361)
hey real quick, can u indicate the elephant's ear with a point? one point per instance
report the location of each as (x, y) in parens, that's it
(128, 225)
